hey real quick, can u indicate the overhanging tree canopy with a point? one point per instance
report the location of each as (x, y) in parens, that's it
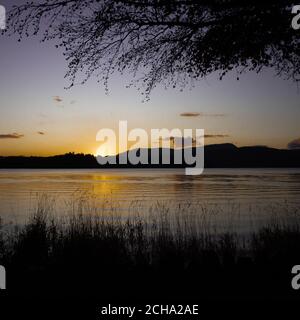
(171, 41)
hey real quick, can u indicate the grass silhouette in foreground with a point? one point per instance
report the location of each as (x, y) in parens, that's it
(85, 255)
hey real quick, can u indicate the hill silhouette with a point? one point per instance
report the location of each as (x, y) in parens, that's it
(216, 156)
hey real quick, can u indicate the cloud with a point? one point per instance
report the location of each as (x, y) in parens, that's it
(57, 99)
(190, 114)
(295, 144)
(216, 136)
(202, 114)
(11, 136)
(41, 133)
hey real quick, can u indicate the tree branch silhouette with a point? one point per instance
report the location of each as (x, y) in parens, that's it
(169, 41)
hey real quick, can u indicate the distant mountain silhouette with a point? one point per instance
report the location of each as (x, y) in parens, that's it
(216, 156)
(230, 156)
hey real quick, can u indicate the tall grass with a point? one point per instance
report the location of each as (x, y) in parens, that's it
(85, 251)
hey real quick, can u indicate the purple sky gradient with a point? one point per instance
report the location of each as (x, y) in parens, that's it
(257, 110)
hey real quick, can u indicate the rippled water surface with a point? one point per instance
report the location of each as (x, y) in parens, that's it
(247, 192)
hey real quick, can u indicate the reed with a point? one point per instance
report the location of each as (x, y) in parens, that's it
(164, 253)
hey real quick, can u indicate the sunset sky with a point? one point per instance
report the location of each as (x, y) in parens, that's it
(39, 117)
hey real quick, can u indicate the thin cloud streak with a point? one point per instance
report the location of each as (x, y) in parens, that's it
(57, 99)
(190, 114)
(11, 136)
(216, 136)
(201, 114)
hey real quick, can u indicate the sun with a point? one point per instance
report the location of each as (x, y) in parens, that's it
(105, 150)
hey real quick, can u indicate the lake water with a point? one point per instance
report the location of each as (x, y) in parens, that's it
(249, 196)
